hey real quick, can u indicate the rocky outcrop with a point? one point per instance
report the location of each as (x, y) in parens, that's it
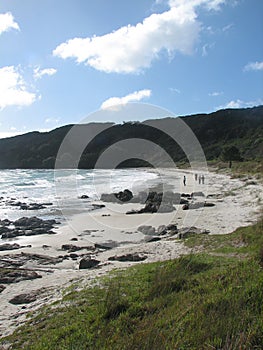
(26, 226)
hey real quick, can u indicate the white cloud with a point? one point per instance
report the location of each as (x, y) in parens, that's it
(13, 90)
(52, 120)
(206, 48)
(175, 90)
(132, 48)
(241, 104)
(227, 27)
(7, 22)
(210, 5)
(113, 102)
(215, 93)
(39, 73)
(254, 66)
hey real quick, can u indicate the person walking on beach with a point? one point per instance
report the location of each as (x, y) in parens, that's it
(184, 180)
(203, 179)
(196, 176)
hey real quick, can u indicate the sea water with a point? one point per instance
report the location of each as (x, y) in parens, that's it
(64, 188)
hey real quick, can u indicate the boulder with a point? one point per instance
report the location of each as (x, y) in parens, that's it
(23, 299)
(14, 276)
(2, 287)
(84, 196)
(88, 263)
(146, 230)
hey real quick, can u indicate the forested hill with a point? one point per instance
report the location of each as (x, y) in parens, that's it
(242, 128)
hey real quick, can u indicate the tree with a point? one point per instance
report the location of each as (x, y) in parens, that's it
(230, 153)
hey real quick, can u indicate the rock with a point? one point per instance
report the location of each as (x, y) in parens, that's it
(23, 299)
(189, 231)
(146, 230)
(161, 230)
(88, 263)
(122, 196)
(75, 248)
(197, 194)
(185, 207)
(8, 246)
(166, 208)
(73, 256)
(149, 239)
(84, 196)
(5, 222)
(28, 226)
(184, 201)
(74, 239)
(2, 288)
(207, 204)
(98, 206)
(15, 275)
(128, 257)
(106, 245)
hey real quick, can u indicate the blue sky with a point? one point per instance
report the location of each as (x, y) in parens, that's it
(62, 60)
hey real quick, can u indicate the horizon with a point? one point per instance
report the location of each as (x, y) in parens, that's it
(60, 63)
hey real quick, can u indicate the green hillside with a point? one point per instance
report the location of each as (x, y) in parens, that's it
(242, 128)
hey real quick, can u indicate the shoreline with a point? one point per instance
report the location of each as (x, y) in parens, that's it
(237, 203)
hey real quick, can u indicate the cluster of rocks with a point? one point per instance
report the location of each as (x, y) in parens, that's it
(25, 206)
(169, 230)
(154, 201)
(26, 226)
(12, 246)
(119, 197)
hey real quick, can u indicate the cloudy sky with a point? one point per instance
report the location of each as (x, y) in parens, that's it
(62, 60)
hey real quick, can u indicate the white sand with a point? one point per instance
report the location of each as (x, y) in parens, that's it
(237, 203)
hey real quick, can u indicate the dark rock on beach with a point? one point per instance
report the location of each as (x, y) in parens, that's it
(26, 226)
(88, 263)
(23, 298)
(120, 197)
(84, 196)
(106, 245)
(2, 288)
(8, 276)
(74, 248)
(13, 246)
(128, 257)
(189, 231)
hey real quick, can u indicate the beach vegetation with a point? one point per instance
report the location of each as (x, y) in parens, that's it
(209, 300)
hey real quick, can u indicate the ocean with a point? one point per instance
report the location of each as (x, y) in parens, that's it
(64, 188)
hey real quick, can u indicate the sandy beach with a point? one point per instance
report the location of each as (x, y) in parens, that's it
(234, 203)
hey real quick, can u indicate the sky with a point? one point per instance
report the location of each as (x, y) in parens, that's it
(63, 60)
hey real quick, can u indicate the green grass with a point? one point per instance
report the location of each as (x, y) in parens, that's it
(212, 300)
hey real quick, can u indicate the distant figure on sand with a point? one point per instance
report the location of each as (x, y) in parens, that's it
(184, 180)
(203, 179)
(196, 176)
(199, 179)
